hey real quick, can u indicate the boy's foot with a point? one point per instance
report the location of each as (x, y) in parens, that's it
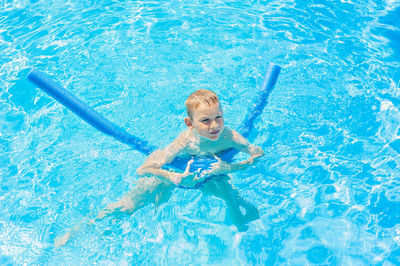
(251, 213)
(62, 240)
(242, 227)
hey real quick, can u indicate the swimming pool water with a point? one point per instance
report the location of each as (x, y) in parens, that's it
(327, 189)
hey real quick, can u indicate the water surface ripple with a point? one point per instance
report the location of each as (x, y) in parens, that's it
(327, 189)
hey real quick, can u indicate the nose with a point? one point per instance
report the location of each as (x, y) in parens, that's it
(213, 124)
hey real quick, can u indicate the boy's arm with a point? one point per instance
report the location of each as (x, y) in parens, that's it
(242, 144)
(154, 163)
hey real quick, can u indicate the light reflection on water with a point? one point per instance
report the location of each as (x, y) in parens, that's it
(327, 190)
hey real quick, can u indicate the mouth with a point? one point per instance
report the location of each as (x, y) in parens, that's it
(214, 132)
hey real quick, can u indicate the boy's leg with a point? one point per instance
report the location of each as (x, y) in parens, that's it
(220, 187)
(147, 190)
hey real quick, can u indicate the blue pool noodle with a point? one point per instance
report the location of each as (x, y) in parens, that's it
(104, 125)
(256, 107)
(87, 113)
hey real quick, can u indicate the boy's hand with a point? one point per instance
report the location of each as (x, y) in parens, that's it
(252, 159)
(177, 177)
(222, 167)
(218, 168)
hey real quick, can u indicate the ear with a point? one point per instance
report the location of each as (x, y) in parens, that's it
(188, 122)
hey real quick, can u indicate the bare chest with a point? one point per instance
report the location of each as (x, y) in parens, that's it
(199, 148)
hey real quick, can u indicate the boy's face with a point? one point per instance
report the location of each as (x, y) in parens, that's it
(208, 121)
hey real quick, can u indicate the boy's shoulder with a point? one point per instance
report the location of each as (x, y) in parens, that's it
(182, 140)
(229, 134)
(235, 139)
(185, 135)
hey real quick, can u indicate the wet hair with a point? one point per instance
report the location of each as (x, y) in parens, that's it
(198, 97)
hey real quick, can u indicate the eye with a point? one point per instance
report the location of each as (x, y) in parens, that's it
(219, 117)
(205, 120)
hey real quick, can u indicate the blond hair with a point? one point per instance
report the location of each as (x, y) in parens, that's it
(198, 97)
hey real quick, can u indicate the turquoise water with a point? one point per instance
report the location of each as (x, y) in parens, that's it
(327, 189)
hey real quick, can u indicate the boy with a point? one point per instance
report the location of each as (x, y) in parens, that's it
(206, 135)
